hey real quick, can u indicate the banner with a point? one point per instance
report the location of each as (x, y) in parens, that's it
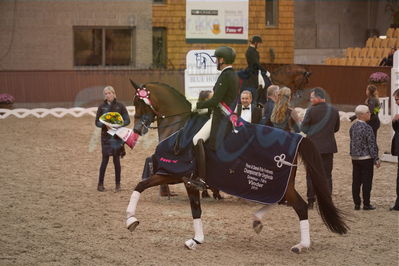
(217, 21)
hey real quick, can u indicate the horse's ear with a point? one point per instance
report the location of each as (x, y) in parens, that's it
(135, 86)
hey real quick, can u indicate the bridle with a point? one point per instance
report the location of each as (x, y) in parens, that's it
(144, 95)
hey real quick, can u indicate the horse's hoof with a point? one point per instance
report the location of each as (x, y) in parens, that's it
(205, 194)
(217, 196)
(132, 223)
(298, 248)
(191, 244)
(257, 226)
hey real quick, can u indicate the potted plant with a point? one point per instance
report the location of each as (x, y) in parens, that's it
(6, 101)
(380, 80)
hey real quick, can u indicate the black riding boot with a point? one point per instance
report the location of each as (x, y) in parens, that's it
(198, 180)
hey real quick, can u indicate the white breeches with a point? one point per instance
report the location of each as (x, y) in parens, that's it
(204, 132)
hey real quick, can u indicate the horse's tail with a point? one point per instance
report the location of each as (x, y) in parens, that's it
(332, 217)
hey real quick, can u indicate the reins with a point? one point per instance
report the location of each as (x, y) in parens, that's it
(169, 125)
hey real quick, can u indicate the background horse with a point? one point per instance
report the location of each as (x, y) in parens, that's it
(171, 108)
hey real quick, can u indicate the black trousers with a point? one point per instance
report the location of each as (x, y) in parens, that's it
(362, 177)
(397, 188)
(327, 159)
(103, 167)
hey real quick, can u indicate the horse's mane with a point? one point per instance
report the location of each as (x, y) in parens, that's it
(172, 90)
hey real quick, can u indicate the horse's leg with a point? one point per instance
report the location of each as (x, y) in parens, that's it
(155, 180)
(194, 196)
(300, 207)
(258, 216)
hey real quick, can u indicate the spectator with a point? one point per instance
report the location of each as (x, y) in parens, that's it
(364, 153)
(246, 110)
(395, 148)
(388, 60)
(111, 145)
(283, 116)
(272, 92)
(373, 102)
(320, 123)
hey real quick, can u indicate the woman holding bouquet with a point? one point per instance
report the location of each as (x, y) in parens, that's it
(111, 145)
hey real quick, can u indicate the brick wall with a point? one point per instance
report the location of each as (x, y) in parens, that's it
(171, 15)
(39, 35)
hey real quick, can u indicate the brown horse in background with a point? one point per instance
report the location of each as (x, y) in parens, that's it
(166, 105)
(294, 77)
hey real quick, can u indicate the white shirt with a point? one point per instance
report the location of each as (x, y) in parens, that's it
(246, 114)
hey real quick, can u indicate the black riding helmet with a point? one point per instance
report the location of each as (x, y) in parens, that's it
(227, 53)
(256, 39)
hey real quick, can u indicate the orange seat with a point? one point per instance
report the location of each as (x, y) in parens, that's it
(356, 52)
(350, 61)
(358, 61)
(363, 52)
(341, 61)
(392, 42)
(371, 52)
(349, 52)
(384, 43)
(396, 33)
(370, 41)
(390, 32)
(374, 62)
(377, 43)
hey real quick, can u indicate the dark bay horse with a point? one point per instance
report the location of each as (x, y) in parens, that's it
(160, 102)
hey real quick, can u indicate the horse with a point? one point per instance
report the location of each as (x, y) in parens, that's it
(294, 77)
(157, 101)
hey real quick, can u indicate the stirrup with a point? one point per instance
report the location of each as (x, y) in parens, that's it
(198, 184)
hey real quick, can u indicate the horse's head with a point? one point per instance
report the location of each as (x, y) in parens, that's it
(144, 111)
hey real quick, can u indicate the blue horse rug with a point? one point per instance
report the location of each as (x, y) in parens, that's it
(254, 163)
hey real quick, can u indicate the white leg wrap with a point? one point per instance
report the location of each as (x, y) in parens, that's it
(131, 208)
(305, 234)
(198, 231)
(198, 235)
(259, 214)
(305, 237)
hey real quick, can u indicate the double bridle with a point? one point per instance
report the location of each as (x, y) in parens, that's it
(144, 95)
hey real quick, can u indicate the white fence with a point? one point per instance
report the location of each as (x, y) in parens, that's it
(79, 112)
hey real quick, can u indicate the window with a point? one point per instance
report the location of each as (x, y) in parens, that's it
(103, 46)
(158, 1)
(159, 57)
(271, 12)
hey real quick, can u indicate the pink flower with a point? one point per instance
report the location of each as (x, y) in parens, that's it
(6, 98)
(378, 77)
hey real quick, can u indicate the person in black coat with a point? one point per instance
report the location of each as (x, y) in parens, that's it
(320, 123)
(373, 103)
(111, 145)
(253, 61)
(225, 91)
(248, 111)
(395, 148)
(388, 60)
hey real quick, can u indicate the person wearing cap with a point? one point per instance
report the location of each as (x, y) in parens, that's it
(253, 61)
(225, 91)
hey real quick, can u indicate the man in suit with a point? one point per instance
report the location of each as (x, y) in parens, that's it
(246, 110)
(225, 91)
(395, 148)
(320, 123)
(272, 91)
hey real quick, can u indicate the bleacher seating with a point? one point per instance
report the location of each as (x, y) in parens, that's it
(371, 55)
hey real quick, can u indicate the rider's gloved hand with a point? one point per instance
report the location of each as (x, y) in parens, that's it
(194, 108)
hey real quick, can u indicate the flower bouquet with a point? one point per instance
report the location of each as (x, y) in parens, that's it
(378, 77)
(114, 121)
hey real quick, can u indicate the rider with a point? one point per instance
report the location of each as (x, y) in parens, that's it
(226, 90)
(253, 61)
